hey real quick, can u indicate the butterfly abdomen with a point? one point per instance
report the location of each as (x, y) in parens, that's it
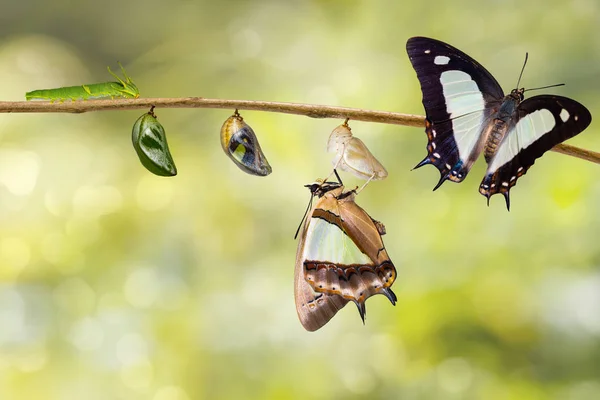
(499, 126)
(496, 134)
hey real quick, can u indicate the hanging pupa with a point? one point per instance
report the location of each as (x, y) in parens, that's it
(150, 144)
(239, 142)
(340, 257)
(353, 156)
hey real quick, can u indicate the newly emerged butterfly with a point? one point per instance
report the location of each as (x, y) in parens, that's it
(353, 156)
(340, 257)
(468, 114)
(107, 90)
(240, 143)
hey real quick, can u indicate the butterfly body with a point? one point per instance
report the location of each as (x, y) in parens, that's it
(467, 114)
(497, 129)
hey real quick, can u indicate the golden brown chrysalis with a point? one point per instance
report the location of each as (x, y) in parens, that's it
(239, 142)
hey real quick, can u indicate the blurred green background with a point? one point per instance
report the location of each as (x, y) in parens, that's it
(117, 284)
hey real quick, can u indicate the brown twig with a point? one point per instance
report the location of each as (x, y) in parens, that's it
(309, 110)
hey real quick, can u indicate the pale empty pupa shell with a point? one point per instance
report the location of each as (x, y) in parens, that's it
(353, 156)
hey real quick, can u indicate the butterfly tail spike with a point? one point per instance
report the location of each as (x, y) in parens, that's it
(443, 178)
(391, 296)
(507, 198)
(425, 161)
(362, 310)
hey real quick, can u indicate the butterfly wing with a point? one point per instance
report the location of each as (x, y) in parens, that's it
(459, 96)
(340, 258)
(540, 123)
(314, 309)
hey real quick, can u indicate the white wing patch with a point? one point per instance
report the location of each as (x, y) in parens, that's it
(461, 93)
(564, 115)
(465, 104)
(467, 132)
(528, 130)
(327, 242)
(441, 60)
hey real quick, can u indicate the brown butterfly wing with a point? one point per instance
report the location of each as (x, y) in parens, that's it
(314, 309)
(325, 286)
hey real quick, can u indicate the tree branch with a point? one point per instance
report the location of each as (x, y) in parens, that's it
(309, 110)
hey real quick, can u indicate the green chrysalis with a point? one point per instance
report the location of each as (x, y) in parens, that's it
(121, 89)
(150, 144)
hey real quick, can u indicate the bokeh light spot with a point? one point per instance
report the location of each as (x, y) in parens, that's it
(142, 287)
(75, 296)
(12, 316)
(94, 201)
(138, 376)
(87, 334)
(454, 375)
(15, 254)
(131, 349)
(171, 393)
(153, 193)
(246, 43)
(19, 171)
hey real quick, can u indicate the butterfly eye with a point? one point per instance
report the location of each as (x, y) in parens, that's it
(240, 143)
(150, 144)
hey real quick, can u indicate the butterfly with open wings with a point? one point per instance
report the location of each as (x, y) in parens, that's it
(468, 114)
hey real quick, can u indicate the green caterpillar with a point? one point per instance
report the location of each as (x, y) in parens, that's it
(125, 89)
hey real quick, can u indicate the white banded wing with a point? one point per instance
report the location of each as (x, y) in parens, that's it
(459, 96)
(541, 122)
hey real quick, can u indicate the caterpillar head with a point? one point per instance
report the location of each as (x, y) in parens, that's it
(129, 89)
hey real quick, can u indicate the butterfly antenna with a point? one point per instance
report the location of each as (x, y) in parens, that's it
(305, 213)
(522, 69)
(545, 87)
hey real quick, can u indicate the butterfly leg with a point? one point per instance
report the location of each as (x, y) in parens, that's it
(365, 184)
(334, 170)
